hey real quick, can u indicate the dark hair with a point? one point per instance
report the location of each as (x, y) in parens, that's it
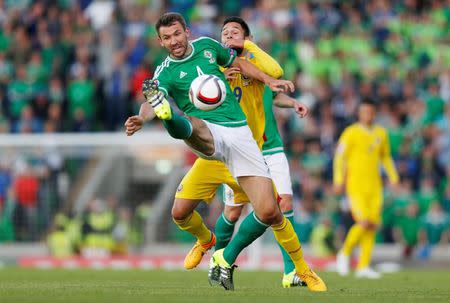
(369, 101)
(239, 20)
(168, 19)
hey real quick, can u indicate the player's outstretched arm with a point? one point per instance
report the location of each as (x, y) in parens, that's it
(261, 59)
(388, 162)
(284, 101)
(252, 71)
(135, 123)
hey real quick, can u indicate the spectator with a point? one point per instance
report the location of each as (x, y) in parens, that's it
(19, 93)
(435, 227)
(116, 93)
(322, 238)
(80, 94)
(26, 188)
(407, 228)
(7, 208)
(27, 123)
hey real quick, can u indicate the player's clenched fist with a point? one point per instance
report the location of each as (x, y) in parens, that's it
(133, 124)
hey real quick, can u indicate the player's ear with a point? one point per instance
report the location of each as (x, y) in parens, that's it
(188, 32)
(160, 41)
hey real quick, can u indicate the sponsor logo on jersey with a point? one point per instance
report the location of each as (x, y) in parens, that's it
(182, 74)
(180, 188)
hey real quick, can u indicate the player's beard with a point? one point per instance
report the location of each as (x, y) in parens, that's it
(179, 51)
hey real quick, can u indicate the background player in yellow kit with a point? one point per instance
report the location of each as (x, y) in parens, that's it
(362, 148)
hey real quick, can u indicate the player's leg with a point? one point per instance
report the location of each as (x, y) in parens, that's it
(359, 212)
(246, 163)
(279, 170)
(225, 224)
(224, 230)
(192, 130)
(266, 212)
(290, 277)
(233, 197)
(199, 184)
(363, 269)
(187, 219)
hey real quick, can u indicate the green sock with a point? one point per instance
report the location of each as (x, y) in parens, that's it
(288, 264)
(179, 127)
(250, 229)
(224, 231)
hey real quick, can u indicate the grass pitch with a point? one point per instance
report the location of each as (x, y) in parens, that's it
(101, 286)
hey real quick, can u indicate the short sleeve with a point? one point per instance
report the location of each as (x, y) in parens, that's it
(344, 141)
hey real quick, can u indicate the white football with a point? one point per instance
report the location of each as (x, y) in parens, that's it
(207, 92)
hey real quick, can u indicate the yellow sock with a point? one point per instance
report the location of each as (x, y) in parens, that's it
(195, 226)
(353, 237)
(367, 243)
(287, 238)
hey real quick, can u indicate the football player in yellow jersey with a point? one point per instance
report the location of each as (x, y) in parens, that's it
(205, 176)
(362, 148)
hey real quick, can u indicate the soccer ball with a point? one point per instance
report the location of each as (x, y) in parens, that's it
(207, 92)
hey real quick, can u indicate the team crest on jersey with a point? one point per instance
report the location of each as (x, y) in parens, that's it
(229, 195)
(209, 56)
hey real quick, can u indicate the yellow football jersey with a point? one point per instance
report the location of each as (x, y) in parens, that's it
(359, 156)
(249, 92)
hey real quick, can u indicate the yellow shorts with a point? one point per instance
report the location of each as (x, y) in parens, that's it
(366, 207)
(203, 179)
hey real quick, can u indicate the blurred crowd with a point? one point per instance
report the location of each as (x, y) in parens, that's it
(33, 186)
(78, 66)
(106, 227)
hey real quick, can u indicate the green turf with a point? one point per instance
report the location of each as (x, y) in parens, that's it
(84, 286)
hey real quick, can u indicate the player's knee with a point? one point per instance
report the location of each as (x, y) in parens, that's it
(232, 213)
(368, 225)
(373, 226)
(178, 213)
(269, 214)
(286, 203)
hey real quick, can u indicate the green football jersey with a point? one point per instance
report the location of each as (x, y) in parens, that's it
(272, 139)
(175, 78)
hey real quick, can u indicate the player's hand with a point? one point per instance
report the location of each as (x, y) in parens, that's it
(231, 73)
(133, 124)
(279, 85)
(338, 189)
(301, 110)
(235, 43)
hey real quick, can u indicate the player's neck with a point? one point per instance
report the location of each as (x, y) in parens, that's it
(367, 126)
(188, 51)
